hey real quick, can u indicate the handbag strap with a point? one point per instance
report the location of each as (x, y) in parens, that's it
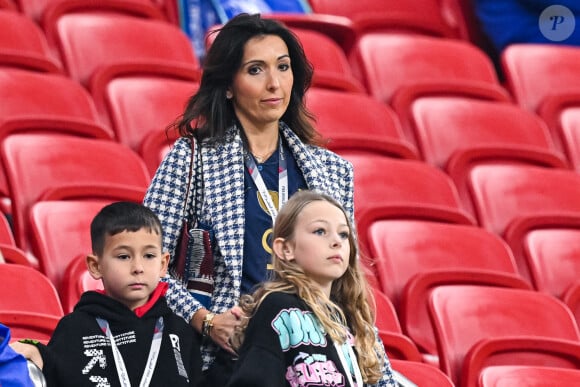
(199, 170)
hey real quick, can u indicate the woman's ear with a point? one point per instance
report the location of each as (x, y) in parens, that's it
(283, 249)
(93, 266)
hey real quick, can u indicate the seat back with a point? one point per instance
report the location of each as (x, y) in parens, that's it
(76, 280)
(464, 316)
(91, 43)
(387, 63)
(421, 374)
(498, 376)
(24, 45)
(60, 232)
(570, 134)
(375, 128)
(28, 290)
(552, 256)
(534, 72)
(42, 167)
(145, 106)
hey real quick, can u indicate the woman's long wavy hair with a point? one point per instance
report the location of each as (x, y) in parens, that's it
(349, 296)
(209, 113)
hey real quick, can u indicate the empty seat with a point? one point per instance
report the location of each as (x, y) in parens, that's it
(563, 118)
(142, 106)
(389, 63)
(396, 188)
(455, 133)
(412, 256)
(424, 375)
(141, 46)
(23, 44)
(528, 376)
(37, 9)
(60, 232)
(43, 167)
(372, 128)
(476, 326)
(510, 200)
(537, 72)
(6, 234)
(431, 17)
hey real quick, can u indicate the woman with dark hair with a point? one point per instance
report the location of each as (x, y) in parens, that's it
(247, 144)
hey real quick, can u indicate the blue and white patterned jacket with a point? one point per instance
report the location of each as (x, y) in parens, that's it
(223, 207)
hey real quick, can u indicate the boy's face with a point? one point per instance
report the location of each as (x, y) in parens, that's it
(130, 267)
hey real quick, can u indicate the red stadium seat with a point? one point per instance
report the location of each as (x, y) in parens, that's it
(421, 374)
(528, 376)
(141, 107)
(44, 167)
(374, 128)
(8, 5)
(430, 17)
(562, 114)
(477, 326)
(23, 44)
(537, 72)
(388, 64)
(390, 188)
(61, 232)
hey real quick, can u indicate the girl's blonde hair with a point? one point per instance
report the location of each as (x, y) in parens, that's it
(349, 298)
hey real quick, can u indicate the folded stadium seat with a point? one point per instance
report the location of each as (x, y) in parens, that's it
(60, 232)
(51, 167)
(144, 106)
(389, 188)
(367, 125)
(511, 200)
(543, 78)
(562, 115)
(6, 234)
(8, 5)
(424, 375)
(397, 345)
(528, 376)
(429, 17)
(413, 256)
(478, 326)
(389, 63)
(141, 46)
(24, 45)
(456, 133)
(75, 281)
(29, 305)
(38, 9)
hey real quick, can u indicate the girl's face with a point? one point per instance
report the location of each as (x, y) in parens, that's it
(130, 267)
(321, 243)
(262, 87)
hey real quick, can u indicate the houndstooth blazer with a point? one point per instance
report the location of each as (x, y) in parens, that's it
(223, 207)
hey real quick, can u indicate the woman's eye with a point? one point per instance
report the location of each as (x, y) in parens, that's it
(284, 67)
(254, 70)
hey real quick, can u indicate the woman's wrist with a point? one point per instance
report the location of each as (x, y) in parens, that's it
(198, 318)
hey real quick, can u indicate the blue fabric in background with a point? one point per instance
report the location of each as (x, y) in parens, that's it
(13, 366)
(196, 16)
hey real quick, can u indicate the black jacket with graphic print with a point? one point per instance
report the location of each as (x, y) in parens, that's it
(285, 345)
(80, 355)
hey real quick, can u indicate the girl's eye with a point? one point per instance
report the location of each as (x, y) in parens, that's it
(319, 231)
(344, 235)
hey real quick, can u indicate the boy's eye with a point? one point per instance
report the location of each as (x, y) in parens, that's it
(150, 255)
(123, 256)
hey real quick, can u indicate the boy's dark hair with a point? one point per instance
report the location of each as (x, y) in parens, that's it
(122, 216)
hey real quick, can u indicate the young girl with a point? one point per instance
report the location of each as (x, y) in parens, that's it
(311, 323)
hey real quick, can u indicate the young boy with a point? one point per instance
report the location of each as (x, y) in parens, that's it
(125, 335)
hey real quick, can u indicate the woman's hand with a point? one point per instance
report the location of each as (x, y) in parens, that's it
(224, 325)
(29, 352)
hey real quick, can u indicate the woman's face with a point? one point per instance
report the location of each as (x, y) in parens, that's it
(262, 86)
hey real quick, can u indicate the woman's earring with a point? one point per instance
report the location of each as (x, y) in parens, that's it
(229, 95)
